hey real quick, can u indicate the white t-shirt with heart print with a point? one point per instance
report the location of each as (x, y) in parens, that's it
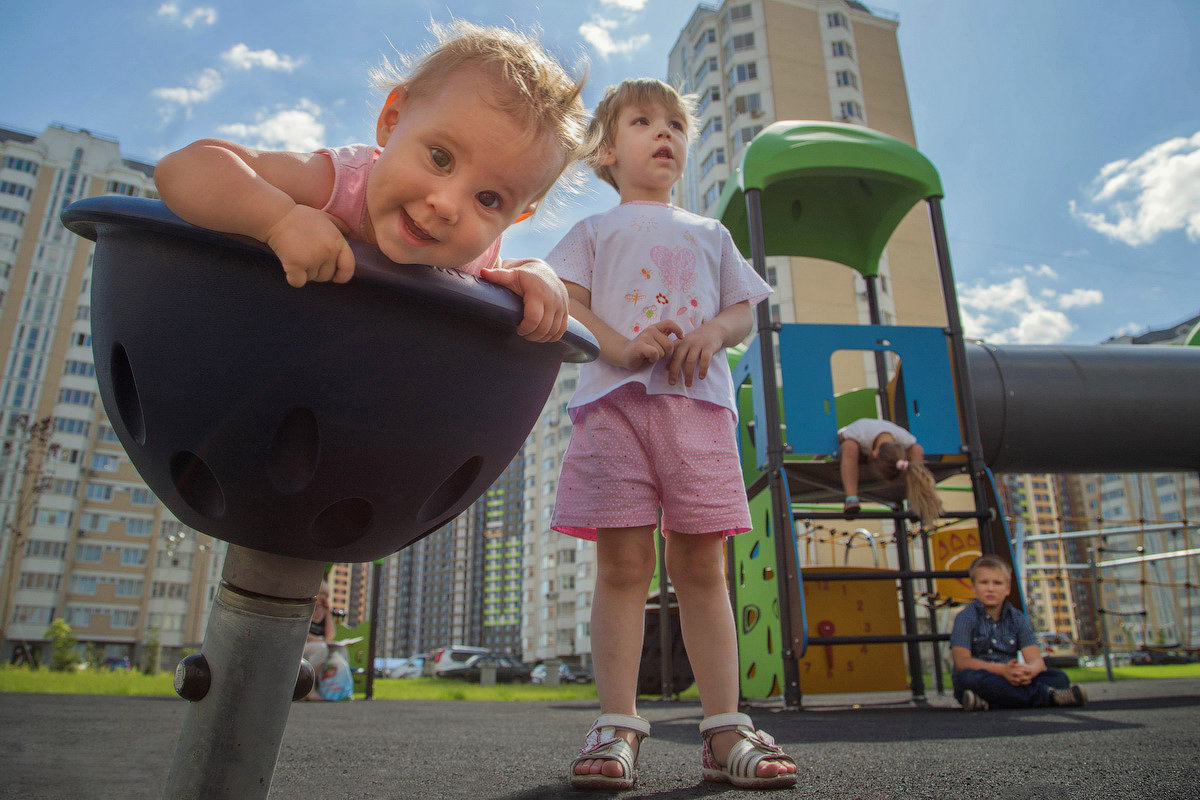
(646, 262)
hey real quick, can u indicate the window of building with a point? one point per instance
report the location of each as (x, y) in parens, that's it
(16, 189)
(706, 66)
(32, 615)
(48, 581)
(842, 48)
(747, 104)
(739, 73)
(141, 497)
(91, 553)
(707, 36)
(713, 193)
(40, 548)
(100, 491)
(711, 125)
(708, 96)
(68, 425)
(105, 463)
(746, 135)
(740, 13)
(835, 20)
(21, 165)
(849, 109)
(717, 156)
(741, 41)
(116, 187)
(76, 397)
(846, 78)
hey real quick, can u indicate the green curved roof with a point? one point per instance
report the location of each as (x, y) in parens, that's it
(1193, 337)
(829, 190)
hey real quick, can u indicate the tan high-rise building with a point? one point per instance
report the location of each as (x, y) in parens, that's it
(754, 62)
(83, 538)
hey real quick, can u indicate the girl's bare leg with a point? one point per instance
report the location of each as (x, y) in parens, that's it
(696, 564)
(625, 560)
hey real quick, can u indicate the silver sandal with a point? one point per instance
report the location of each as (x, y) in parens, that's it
(603, 743)
(741, 768)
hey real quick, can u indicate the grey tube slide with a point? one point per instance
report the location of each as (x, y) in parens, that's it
(1110, 408)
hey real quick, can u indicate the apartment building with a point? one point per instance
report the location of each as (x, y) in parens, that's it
(83, 537)
(1036, 522)
(558, 571)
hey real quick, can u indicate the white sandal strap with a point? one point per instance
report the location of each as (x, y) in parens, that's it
(638, 725)
(728, 720)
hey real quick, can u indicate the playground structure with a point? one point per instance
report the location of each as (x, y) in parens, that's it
(837, 192)
(241, 403)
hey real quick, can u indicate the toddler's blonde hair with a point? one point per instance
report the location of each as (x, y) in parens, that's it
(531, 86)
(601, 131)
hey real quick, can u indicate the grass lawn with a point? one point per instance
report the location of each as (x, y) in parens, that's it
(23, 679)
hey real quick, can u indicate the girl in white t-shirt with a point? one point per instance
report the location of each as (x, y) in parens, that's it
(891, 452)
(664, 291)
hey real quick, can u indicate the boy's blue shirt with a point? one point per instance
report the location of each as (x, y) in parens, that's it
(997, 640)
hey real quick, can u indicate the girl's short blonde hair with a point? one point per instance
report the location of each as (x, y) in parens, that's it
(634, 91)
(530, 84)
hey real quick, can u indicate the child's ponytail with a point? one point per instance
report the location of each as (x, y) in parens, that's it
(919, 485)
(923, 498)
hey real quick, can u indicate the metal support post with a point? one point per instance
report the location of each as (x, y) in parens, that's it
(788, 577)
(243, 681)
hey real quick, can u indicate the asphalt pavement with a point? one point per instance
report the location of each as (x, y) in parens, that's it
(1134, 740)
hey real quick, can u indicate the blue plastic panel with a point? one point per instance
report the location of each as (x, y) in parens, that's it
(808, 399)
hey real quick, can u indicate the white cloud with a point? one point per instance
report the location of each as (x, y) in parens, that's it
(598, 33)
(1010, 312)
(627, 5)
(298, 129)
(1130, 329)
(1081, 297)
(1137, 200)
(242, 57)
(1041, 271)
(206, 84)
(200, 15)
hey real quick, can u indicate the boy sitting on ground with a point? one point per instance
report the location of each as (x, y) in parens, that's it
(984, 643)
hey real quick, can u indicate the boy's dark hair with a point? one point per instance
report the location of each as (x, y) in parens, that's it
(990, 562)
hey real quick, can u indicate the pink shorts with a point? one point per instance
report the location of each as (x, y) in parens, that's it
(632, 454)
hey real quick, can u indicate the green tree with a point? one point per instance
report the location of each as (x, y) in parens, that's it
(152, 660)
(94, 655)
(63, 656)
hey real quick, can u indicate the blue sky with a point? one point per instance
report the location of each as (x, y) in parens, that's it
(1067, 133)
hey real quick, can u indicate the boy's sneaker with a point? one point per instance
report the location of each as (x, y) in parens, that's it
(1074, 696)
(973, 702)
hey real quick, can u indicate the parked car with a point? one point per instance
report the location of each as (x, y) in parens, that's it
(446, 658)
(508, 670)
(567, 673)
(399, 667)
(1156, 655)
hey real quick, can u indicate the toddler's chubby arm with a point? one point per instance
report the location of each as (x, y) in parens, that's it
(272, 196)
(650, 345)
(694, 352)
(544, 295)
